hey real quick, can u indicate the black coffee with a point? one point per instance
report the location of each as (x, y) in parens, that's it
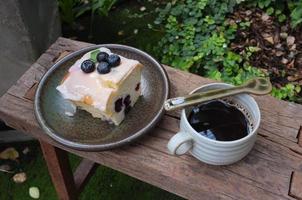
(219, 121)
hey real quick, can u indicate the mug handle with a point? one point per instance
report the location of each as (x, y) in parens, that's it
(180, 143)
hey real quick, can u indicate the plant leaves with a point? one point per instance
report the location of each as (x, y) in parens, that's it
(93, 55)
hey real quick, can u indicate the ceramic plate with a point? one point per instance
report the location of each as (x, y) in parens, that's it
(84, 132)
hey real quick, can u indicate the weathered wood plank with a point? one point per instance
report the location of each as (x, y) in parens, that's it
(83, 173)
(276, 123)
(30, 94)
(135, 157)
(299, 137)
(60, 171)
(296, 185)
(264, 174)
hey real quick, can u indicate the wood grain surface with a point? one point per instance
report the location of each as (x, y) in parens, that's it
(266, 173)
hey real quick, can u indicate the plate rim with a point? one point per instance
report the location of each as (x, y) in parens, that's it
(97, 147)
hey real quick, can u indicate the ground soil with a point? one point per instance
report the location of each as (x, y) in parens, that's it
(280, 46)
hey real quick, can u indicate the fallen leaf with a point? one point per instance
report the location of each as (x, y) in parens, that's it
(25, 151)
(291, 64)
(284, 28)
(248, 12)
(20, 177)
(298, 62)
(293, 78)
(258, 15)
(238, 21)
(293, 47)
(290, 40)
(278, 85)
(9, 153)
(276, 38)
(291, 54)
(275, 70)
(264, 17)
(264, 70)
(279, 46)
(231, 22)
(6, 168)
(284, 61)
(283, 35)
(265, 35)
(34, 192)
(269, 39)
(279, 53)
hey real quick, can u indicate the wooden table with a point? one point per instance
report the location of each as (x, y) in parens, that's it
(273, 169)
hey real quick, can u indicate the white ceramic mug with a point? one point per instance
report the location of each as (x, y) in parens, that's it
(212, 151)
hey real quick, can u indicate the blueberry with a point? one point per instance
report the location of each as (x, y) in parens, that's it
(103, 68)
(137, 86)
(127, 100)
(118, 105)
(87, 66)
(102, 56)
(114, 60)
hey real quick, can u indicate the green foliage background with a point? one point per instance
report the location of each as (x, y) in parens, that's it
(197, 38)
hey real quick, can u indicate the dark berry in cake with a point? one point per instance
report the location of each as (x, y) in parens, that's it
(87, 66)
(114, 60)
(137, 86)
(127, 100)
(103, 68)
(102, 56)
(118, 105)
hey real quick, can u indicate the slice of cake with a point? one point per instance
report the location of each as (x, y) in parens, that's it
(104, 84)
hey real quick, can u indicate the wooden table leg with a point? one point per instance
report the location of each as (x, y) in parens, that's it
(60, 171)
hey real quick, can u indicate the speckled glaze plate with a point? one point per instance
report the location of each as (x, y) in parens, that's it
(84, 132)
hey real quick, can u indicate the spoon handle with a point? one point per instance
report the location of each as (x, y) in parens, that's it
(201, 97)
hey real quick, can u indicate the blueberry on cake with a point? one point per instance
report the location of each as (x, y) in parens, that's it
(104, 84)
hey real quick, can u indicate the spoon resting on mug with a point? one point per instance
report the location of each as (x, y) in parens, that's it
(257, 86)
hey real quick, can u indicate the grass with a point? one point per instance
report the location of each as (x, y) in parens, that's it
(105, 184)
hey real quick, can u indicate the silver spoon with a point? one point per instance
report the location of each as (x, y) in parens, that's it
(257, 86)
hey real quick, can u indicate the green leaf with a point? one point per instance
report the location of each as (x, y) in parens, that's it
(278, 12)
(253, 49)
(290, 86)
(93, 55)
(270, 11)
(209, 20)
(281, 18)
(261, 5)
(296, 14)
(298, 88)
(216, 75)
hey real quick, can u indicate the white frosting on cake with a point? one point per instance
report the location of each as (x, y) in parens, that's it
(97, 93)
(117, 74)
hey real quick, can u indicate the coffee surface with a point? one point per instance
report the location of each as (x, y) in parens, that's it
(220, 121)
